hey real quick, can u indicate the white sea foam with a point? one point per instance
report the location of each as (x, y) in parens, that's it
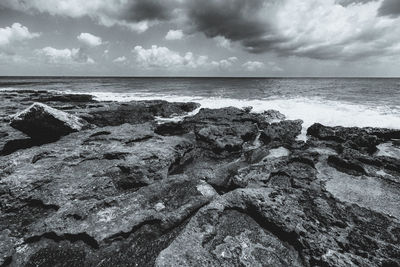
(310, 110)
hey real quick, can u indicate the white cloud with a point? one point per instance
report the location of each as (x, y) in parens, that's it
(64, 56)
(120, 59)
(137, 15)
(174, 35)
(222, 42)
(6, 58)
(162, 57)
(224, 63)
(89, 39)
(274, 67)
(15, 33)
(253, 65)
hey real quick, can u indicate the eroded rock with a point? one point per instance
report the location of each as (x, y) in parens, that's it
(42, 122)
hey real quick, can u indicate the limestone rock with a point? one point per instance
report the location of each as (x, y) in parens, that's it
(42, 122)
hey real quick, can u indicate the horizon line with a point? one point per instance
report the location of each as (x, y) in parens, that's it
(209, 77)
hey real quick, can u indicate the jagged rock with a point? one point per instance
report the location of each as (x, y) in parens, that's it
(225, 129)
(42, 122)
(90, 194)
(226, 138)
(67, 98)
(285, 224)
(283, 132)
(273, 115)
(223, 116)
(346, 166)
(171, 128)
(357, 138)
(221, 188)
(135, 112)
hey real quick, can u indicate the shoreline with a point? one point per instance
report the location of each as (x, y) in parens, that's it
(310, 110)
(91, 183)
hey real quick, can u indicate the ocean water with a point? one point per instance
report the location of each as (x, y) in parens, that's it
(358, 102)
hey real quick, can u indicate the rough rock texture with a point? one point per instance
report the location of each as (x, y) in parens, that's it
(115, 114)
(224, 187)
(12, 139)
(42, 122)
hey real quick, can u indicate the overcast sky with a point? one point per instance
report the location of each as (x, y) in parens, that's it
(200, 37)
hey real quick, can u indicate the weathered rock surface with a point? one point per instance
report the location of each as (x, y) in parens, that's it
(42, 122)
(12, 140)
(135, 112)
(224, 187)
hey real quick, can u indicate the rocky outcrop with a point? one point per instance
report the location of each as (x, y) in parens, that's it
(358, 138)
(114, 114)
(282, 132)
(224, 187)
(42, 122)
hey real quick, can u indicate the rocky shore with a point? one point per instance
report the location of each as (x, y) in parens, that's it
(88, 183)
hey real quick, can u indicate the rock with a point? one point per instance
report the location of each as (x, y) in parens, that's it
(283, 132)
(42, 122)
(67, 98)
(134, 112)
(226, 138)
(171, 128)
(247, 109)
(12, 140)
(358, 138)
(346, 166)
(284, 224)
(223, 116)
(272, 115)
(97, 189)
(224, 187)
(224, 130)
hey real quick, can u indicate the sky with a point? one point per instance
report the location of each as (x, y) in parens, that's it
(263, 38)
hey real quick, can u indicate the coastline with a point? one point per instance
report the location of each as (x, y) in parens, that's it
(131, 187)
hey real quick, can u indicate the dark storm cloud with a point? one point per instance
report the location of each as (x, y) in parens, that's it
(131, 13)
(140, 10)
(233, 19)
(390, 8)
(236, 20)
(349, 2)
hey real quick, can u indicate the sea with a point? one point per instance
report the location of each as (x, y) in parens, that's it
(360, 102)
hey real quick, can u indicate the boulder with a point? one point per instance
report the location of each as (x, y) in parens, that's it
(42, 122)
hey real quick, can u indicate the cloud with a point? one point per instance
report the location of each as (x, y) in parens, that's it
(390, 8)
(317, 29)
(224, 63)
(120, 59)
(253, 65)
(273, 67)
(162, 57)
(64, 56)
(137, 15)
(222, 42)
(15, 33)
(174, 35)
(89, 39)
